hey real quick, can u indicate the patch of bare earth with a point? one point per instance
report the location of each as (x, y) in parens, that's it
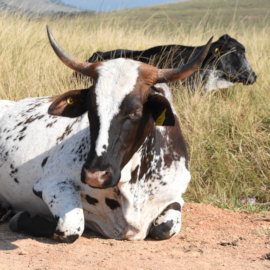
(211, 238)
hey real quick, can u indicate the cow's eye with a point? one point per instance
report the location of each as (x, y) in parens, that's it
(70, 100)
(135, 114)
(216, 50)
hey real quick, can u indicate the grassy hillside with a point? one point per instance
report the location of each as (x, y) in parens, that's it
(36, 6)
(227, 132)
(213, 13)
(224, 15)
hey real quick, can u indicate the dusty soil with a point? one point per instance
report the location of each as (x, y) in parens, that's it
(211, 238)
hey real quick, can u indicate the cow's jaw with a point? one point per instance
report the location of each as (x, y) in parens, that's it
(216, 81)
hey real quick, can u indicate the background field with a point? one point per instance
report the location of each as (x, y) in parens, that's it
(227, 131)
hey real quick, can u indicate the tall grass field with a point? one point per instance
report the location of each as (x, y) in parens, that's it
(227, 131)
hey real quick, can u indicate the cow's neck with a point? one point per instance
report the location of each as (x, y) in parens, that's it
(163, 146)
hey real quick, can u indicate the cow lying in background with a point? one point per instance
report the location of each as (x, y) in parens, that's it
(224, 65)
(123, 175)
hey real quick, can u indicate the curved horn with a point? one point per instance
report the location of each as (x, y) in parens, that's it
(175, 74)
(70, 61)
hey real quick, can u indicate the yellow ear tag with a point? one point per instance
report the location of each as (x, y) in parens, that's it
(160, 120)
(216, 50)
(70, 101)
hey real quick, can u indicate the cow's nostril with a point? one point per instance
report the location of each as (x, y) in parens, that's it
(96, 178)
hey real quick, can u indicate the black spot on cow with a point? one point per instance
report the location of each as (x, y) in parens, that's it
(186, 164)
(162, 231)
(67, 239)
(113, 204)
(14, 171)
(71, 238)
(20, 138)
(52, 201)
(44, 161)
(134, 175)
(91, 200)
(16, 180)
(59, 232)
(37, 193)
(116, 191)
(175, 206)
(5, 130)
(23, 129)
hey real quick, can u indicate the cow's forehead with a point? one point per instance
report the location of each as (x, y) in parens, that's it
(116, 79)
(233, 43)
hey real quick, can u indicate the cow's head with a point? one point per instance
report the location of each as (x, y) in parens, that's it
(230, 61)
(123, 108)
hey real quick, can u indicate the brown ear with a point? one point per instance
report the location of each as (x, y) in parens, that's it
(161, 110)
(70, 104)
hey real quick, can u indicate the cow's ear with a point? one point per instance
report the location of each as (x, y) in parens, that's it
(224, 38)
(70, 104)
(161, 110)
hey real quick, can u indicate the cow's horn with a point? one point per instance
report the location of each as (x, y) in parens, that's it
(175, 74)
(72, 62)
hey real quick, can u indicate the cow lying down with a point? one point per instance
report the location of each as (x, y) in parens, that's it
(115, 161)
(224, 65)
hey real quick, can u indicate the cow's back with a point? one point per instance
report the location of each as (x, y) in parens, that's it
(164, 56)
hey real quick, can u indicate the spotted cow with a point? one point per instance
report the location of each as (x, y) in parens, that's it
(115, 161)
(224, 65)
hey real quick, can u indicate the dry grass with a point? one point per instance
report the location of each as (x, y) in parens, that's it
(227, 132)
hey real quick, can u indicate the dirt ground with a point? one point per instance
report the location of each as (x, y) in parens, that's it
(211, 238)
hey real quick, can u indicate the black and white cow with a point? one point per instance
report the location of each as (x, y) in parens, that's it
(123, 175)
(224, 65)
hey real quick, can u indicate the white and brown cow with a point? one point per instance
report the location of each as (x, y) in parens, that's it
(123, 175)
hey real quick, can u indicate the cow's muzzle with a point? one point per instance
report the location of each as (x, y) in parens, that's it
(97, 179)
(252, 78)
(249, 78)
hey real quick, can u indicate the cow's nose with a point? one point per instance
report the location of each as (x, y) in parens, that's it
(252, 78)
(96, 179)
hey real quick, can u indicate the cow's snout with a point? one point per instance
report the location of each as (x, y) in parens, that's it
(252, 78)
(248, 77)
(97, 179)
